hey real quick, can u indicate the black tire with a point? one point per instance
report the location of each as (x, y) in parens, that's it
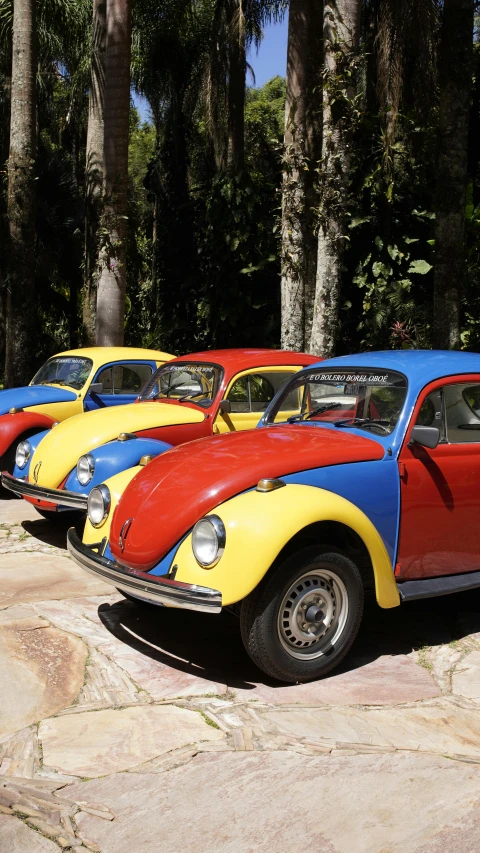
(296, 656)
(7, 463)
(8, 458)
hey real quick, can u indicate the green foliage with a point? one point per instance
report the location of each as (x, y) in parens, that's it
(389, 229)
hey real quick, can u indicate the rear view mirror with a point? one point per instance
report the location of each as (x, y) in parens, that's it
(96, 388)
(425, 436)
(225, 407)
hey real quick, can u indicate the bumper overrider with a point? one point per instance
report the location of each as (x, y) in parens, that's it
(161, 590)
(41, 493)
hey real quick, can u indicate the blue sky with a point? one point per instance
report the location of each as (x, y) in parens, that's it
(270, 60)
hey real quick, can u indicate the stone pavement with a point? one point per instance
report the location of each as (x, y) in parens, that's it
(125, 729)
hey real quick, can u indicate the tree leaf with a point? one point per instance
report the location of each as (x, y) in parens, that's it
(420, 267)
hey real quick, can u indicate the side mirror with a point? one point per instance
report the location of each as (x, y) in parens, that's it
(225, 407)
(96, 388)
(425, 436)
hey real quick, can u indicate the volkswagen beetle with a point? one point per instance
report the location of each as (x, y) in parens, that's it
(190, 397)
(69, 383)
(370, 485)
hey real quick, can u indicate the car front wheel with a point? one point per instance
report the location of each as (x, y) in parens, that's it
(301, 620)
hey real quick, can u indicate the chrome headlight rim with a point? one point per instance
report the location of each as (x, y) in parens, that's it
(88, 458)
(27, 452)
(221, 535)
(104, 492)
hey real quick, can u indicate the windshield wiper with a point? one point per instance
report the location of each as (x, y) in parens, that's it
(191, 396)
(318, 411)
(363, 422)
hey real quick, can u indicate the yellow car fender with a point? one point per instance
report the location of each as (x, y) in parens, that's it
(259, 524)
(62, 447)
(116, 486)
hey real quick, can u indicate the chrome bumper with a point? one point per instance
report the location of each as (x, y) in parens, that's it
(157, 589)
(41, 493)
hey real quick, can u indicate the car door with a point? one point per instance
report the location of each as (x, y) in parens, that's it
(248, 395)
(440, 487)
(121, 383)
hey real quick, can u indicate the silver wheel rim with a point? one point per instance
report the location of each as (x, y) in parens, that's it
(312, 614)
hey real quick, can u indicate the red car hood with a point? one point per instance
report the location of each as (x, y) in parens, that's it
(177, 488)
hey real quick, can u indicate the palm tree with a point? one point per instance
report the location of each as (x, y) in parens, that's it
(94, 168)
(341, 39)
(303, 136)
(21, 198)
(455, 86)
(237, 66)
(112, 254)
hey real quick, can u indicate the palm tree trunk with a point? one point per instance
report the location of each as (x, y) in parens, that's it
(303, 139)
(237, 65)
(112, 255)
(455, 83)
(341, 38)
(94, 169)
(21, 199)
(5, 101)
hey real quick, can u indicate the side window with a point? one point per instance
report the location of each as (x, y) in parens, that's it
(238, 395)
(462, 413)
(106, 378)
(262, 391)
(431, 412)
(253, 392)
(124, 378)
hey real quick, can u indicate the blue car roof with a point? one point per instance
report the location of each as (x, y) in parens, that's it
(420, 366)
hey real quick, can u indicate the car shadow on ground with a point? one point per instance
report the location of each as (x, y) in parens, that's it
(54, 532)
(210, 647)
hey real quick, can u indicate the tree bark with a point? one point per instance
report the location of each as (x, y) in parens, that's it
(341, 38)
(112, 255)
(94, 169)
(237, 66)
(20, 311)
(303, 139)
(455, 83)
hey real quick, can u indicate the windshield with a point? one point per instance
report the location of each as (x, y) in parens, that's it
(362, 398)
(184, 382)
(64, 370)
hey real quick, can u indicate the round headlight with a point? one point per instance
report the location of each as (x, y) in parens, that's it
(85, 469)
(98, 505)
(23, 453)
(208, 541)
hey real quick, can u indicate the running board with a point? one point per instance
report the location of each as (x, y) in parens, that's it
(433, 587)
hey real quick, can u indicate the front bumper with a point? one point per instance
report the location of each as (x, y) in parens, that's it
(160, 590)
(60, 497)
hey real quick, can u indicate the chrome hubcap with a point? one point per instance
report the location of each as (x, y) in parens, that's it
(312, 614)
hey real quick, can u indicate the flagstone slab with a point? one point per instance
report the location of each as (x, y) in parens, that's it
(16, 837)
(158, 677)
(78, 616)
(14, 511)
(384, 681)
(21, 612)
(466, 678)
(441, 727)
(259, 803)
(101, 742)
(41, 671)
(32, 576)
